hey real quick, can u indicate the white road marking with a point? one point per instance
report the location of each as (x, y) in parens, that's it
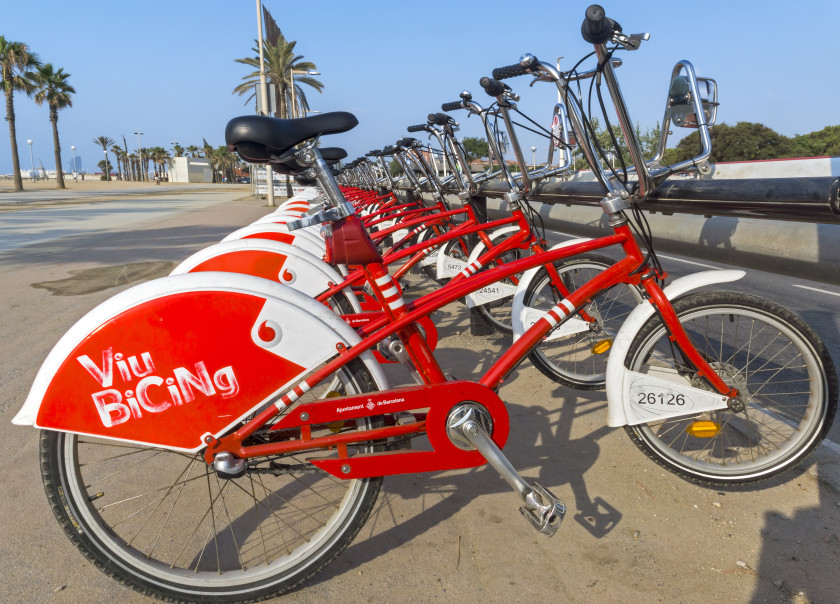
(814, 289)
(689, 262)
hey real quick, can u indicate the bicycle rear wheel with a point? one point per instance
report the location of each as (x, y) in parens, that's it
(165, 524)
(785, 377)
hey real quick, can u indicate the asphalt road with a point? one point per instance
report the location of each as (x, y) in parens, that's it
(633, 532)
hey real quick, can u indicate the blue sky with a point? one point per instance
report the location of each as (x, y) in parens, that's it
(167, 68)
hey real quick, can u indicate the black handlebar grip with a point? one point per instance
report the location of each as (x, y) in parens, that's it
(452, 106)
(406, 142)
(491, 86)
(596, 28)
(439, 119)
(388, 150)
(417, 128)
(511, 71)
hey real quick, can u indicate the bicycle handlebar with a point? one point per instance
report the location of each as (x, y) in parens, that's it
(492, 87)
(417, 128)
(510, 71)
(452, 106)
(440, 119)
(597, 28)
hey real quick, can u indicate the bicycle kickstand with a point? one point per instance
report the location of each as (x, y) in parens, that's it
(468, 427)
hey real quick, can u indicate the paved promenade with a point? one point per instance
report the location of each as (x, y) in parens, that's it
(633, 532)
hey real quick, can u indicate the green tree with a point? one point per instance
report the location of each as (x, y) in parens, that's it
(745, 141)
(17, 65)
(475, 148)
(825, 142)
(105, 166)
(395, 168)
(105, 142)
(178, 150)
(54, 90)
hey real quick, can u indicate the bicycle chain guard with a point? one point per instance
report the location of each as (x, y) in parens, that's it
(435, 400)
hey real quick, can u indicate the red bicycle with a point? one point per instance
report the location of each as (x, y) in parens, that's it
(219, 437)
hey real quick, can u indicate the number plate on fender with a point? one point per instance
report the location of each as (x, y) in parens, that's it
(667, 394)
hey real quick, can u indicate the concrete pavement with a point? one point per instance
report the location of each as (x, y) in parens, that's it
(633, 532)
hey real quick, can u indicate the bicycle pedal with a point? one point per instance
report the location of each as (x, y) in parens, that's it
(547, 515)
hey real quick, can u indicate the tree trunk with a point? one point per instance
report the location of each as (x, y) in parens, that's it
(59, 174)
(10, 117)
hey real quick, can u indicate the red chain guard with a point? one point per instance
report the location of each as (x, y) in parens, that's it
(439, 399)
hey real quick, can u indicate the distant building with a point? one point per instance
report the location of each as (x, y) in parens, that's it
(190, 169)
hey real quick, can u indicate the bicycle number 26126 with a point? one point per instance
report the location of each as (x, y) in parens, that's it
(659, 398)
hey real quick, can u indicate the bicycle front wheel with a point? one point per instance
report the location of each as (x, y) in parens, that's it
(577, 357)
(165, 524)
(784, 375)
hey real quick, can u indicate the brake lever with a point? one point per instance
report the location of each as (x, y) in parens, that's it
(631, 41)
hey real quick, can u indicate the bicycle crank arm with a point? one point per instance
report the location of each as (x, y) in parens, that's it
(468, 427)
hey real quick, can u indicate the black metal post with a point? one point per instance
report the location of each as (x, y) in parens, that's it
(478, 324)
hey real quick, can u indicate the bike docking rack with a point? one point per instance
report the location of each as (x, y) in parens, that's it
(685, 211)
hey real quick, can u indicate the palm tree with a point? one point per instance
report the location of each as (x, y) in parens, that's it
(143, 152)
(280, 61)
(118, 155)
(105, 142)
(208, 153)
(131, 166)
(159, 156)
(54, 89)
(178, 150)
(16, 73)
(192, 150)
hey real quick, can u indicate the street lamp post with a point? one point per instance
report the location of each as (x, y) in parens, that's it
(292, 73)
(269, 176)
(533, 158)
(139, 156)
(73, 148)
(31, 160)
(105, 169)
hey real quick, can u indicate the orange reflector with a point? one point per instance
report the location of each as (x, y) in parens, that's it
(602, 346)
(703, 429)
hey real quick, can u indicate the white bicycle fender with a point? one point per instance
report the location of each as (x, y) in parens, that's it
(271, 260)
(279, 232)
(619, 410)
(521, 316)
(171, 361)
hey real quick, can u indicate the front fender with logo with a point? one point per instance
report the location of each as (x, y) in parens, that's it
(620, 409)
(171, 361)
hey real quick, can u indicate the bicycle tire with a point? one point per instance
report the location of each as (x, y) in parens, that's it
(572, 360)
(141, 515)
(782, 370)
